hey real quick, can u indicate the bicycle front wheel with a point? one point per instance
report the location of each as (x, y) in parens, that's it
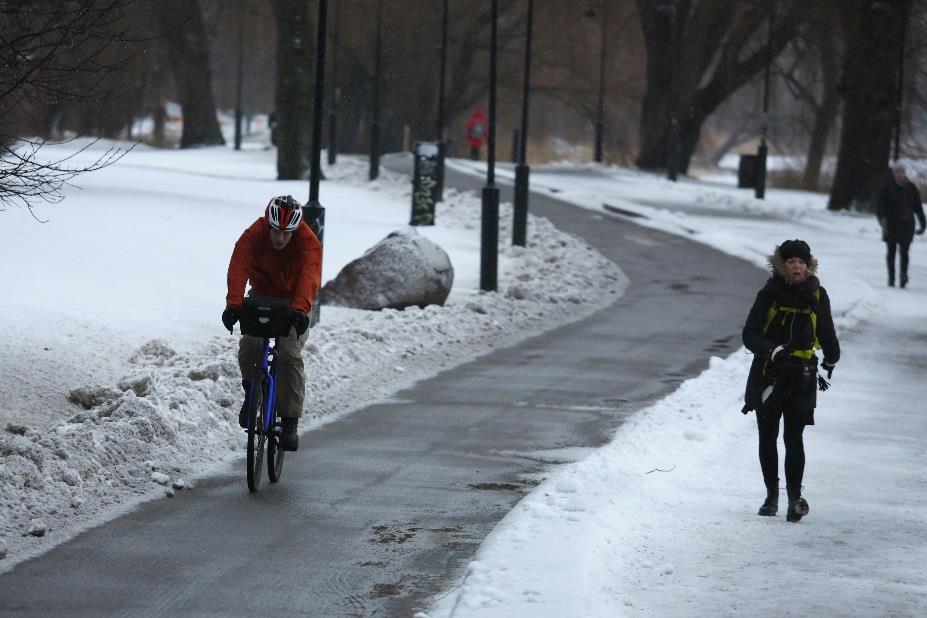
(256, 435)
(275, 453)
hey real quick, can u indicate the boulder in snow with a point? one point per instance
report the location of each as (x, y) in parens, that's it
(404, 269)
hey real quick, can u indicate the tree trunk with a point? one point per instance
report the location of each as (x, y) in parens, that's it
(824, 114)
(657, 108)
(294, 94)
(182, 28)
(868, 108)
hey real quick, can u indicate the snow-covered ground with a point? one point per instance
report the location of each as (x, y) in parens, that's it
(662, 521)
(116, 376)
(123, 287)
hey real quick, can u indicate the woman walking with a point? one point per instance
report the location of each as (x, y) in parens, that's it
(790, 320)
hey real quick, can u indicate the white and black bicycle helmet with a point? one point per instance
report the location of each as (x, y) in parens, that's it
(284, 213)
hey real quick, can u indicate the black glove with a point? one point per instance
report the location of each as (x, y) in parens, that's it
(828, 367)
(230, 317)
(780, 354)
(299, 321)
(919, 232)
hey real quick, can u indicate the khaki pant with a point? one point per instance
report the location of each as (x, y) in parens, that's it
(291, 374)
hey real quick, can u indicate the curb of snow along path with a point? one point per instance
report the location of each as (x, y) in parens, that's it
(174, 415)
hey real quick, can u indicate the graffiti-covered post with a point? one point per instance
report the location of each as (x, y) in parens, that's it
(425, 182)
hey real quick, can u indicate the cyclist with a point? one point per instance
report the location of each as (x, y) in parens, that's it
(282, 258)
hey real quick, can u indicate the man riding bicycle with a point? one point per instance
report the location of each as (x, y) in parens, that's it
(282, 258)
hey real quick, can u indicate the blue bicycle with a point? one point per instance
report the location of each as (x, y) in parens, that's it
(266, 318)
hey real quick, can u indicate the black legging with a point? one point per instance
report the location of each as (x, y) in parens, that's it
(890, 258)
(768, 425)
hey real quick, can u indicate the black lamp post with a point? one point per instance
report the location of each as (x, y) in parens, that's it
(442, 145)
(240, 78)
(313, 212)
(333, 112)
(600, 113)
(522, 171)
(672, 163)
(489, 238)
(375, 125)
(760, 190)
(899, 82)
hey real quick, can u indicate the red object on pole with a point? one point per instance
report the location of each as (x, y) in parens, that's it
(476, 128)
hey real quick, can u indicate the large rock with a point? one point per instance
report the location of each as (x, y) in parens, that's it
(402, 270)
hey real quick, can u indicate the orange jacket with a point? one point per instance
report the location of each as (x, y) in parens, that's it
(294, 272)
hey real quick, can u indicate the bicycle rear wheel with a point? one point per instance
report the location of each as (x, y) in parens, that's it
(275, 453)
(256, 436)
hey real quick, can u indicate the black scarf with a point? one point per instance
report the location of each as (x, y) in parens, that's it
(800, 295)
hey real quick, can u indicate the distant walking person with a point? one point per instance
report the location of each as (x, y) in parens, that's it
(899, 202)
(790, 320)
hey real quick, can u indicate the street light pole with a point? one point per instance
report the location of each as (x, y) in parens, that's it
(672, 163)
(600, 122)
(240, 77)
(442, 145)
(375, 125)
(522, 171)
(333, 112)
(489, 238)
(313, 212)
(899, 82)
(760, 190)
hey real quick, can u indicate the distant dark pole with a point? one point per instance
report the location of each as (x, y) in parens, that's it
(600, 122)
(672, 163)
(760, 191)
(313, 212)
(241, 73)
(489, 246)
(333, 112)
(900, 80)
(442, 146)
(522, 170)
(441, 121)
(375, 125)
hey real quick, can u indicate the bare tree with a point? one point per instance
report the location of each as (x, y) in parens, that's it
(699, 52)
(43, 44)
(182, 28)
(812, 79)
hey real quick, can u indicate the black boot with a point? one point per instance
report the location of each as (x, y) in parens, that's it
(798, 506)
(891, 280)
(243, 413)
(904, 279)
(771, 505)
(289, 440)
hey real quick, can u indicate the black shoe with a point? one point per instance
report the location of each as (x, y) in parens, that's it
(904, 280)
(798, 508)
(289, 440)
(771, 505)
(891, 282)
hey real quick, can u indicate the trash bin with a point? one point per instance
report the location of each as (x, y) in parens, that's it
(747, 171)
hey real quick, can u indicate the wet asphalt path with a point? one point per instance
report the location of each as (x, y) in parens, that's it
(383, 508)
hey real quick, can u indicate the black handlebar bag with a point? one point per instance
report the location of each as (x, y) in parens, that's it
(264, 316)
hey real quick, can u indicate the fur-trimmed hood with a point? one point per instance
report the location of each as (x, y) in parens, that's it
(777, 265)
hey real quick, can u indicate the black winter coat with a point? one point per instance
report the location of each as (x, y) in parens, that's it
(787, 329)
(896, 208)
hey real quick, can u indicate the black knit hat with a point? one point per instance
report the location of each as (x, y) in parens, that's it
(795, 248)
